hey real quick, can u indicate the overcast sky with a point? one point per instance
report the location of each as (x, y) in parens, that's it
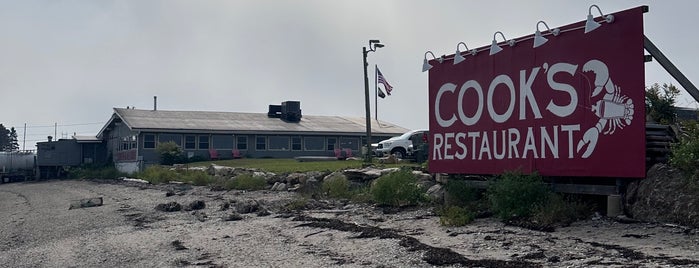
(69, 62)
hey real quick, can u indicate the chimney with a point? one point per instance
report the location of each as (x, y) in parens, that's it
(155, 103)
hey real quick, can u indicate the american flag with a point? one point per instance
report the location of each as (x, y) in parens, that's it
(382, 80)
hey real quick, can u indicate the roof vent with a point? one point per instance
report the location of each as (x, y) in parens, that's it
(275, 111)
(291, 111)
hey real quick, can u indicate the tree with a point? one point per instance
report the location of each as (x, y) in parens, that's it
(660, 102)
(12, 140)
(4, 138)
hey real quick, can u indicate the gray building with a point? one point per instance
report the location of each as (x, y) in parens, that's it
(132, 135)
(54, 156)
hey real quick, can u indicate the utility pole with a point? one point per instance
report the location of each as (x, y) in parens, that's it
(373, 45)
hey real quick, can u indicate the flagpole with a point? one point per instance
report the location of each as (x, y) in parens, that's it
(376, 92)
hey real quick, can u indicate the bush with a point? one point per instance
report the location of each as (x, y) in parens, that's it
(159, 174)
(170, 153)
(455, 216)
(108, 172)
(660, 102)
(248, 182)
(685, 153)
(460, 193)
(397, 189)
(560, 210)
(514, 195)
(336, 187)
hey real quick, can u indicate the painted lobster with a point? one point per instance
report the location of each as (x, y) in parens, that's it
(615, 111)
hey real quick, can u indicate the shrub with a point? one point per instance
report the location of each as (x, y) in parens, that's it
(560, 210)
(157, 174)
(248, 182)
(460, 193)
(198, 178)
(660, 102)
(514, 195)
(108, 172)
(397, 189)
(455, 216)
(297, 204)
(336, 187)
(685, 153)
(170, 153)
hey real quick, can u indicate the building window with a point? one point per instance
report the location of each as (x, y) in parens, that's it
(314, 143)
(133, 142)
(261, 143)
(351, 143)
(225, 142)
(296, 143)
(190, 142)
(279, 143)
(203, 142)
(242, 143)
(331, 144)
(149, 141)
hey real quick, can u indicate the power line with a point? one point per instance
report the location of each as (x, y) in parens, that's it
(62, 125)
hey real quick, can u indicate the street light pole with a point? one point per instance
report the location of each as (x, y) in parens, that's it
(373, 44)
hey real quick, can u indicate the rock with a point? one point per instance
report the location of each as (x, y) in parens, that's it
(436, 193)
(195, 205)
(423, 179)
(247, 206)
(169, 207)
(279, 186)
(177, 244)
(233, 217)
(169, 193)
(362, 175)
(665, 195)
(295, 178)
(86, 203)
(263, 212)
(200, 215)
(310, 187)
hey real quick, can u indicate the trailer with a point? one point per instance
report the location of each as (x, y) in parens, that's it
(17, 166)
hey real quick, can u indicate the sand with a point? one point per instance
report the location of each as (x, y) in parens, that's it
(37, 229)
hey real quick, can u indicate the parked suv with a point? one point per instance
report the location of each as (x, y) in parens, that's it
(400, 146)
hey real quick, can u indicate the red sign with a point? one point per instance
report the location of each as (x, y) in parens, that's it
(573, 106)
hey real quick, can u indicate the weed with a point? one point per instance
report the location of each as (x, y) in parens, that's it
(455, 216)
(460, 193)
(336, 186)
(108, 172)
(397, 189)
(560, 210)
(514, 195)
(248, 182)
(297, 204)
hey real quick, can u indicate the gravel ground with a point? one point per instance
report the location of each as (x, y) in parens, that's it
(37, 229)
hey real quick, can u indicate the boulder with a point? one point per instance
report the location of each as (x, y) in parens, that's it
(665, 195)
(436, 193)
(423, 179)
(279, 186)
(169, 207)
(247, 206)
(195, 205)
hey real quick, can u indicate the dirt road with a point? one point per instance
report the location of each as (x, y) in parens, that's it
(38, 230)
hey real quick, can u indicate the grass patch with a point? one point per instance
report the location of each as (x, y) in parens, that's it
(397, 189)
(247, 182)
(336, 186)
(514, 195)
(109, 172)
(159, 174)
(455, 216)
(288, 165)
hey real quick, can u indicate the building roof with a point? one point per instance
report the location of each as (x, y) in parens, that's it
(226, 122)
